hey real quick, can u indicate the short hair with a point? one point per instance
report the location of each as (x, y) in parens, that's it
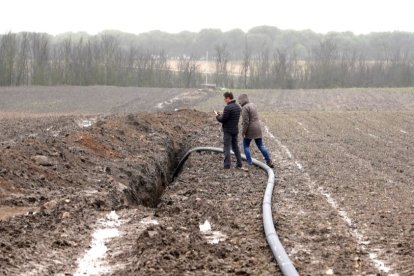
(228, 94)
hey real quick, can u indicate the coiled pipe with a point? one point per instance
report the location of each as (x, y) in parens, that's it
(285, 264)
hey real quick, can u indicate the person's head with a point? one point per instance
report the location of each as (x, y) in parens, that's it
(243, 99)
(228, 96)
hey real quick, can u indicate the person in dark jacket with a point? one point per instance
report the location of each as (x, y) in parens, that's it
(229, 118)
(251, 130)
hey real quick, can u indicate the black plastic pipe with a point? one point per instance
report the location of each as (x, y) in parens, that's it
(285, 264)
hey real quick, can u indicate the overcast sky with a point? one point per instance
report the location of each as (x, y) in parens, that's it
(137, 16)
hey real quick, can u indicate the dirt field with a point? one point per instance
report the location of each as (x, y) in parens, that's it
(345, 169)
(93, 100)
(358, 164)
(342, 205)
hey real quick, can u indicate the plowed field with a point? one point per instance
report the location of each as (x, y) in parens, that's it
(85, 183)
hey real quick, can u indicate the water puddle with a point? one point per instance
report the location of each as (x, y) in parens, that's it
(93, 262)
(380, 265)
(213, 237)
(86, 123)
(171, 101)
(54, 133)
(148, 221)
(8, 212)
(299, 165)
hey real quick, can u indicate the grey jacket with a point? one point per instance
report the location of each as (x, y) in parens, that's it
(251, 127)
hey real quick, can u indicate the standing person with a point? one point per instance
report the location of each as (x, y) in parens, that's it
(251, 129)
(229, 118)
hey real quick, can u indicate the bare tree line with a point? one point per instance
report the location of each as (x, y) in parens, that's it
(32, 59)
(37, 59)
(327, 66)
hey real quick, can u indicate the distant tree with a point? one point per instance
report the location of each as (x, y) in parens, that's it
(222, 57)
(187, 68)
(283, 70)
(109, 50)
(322, 63)
(40, 52)
(22, 60)
(246, 64)
(8, 50)
(207, 40)
(264, 57)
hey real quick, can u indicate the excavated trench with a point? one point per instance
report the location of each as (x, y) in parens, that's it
(72, 179)
(143, 151)
(147, 185)
(122, 163)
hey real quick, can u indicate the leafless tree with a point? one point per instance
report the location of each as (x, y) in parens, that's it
(8, 49)
(246, 64)
(187, 68)
(222, 57)
(40, 50)
(22, 62)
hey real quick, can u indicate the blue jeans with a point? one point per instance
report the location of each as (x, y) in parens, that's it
(259, 144)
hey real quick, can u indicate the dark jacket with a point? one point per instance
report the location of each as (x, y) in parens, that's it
(251, 127)
(230, 117)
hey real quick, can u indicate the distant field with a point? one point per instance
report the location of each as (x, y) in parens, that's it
(37, 100)
(323, 99)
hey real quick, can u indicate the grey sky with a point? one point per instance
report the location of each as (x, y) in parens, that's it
(58, 16)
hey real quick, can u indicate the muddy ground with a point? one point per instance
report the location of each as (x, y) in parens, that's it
(70, 178)
(61, 174)
(354, 170)
(342, 204)
(344, 159)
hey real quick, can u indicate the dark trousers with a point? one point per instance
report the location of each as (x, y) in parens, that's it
(230, 141)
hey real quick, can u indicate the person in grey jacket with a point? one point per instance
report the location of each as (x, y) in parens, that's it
(252, 130)
(229, 118)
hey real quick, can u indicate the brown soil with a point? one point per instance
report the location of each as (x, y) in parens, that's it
(342, 203)
(361, 161)
(96, 146)
(229, 199)
(83, 172)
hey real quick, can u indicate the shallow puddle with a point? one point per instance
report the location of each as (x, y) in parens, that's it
(213, 237)
(93, 262)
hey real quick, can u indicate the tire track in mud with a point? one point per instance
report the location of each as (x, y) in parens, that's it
(362, 243)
